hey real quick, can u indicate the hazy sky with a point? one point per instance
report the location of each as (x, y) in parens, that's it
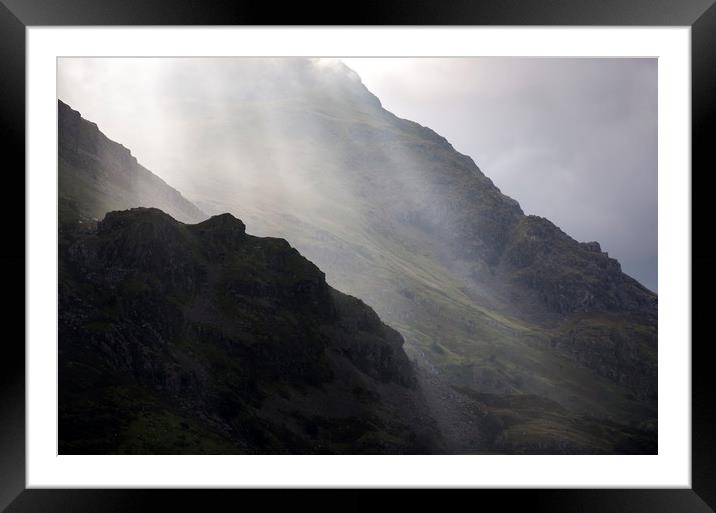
(573, 140)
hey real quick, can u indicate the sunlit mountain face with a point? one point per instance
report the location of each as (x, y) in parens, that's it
(523, 339)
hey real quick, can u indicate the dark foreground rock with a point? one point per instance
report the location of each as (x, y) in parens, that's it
(201, 338)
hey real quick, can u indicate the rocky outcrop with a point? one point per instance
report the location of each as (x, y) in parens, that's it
(566, 276)
(238, 335)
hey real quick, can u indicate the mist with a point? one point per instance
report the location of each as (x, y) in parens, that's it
(573, 140)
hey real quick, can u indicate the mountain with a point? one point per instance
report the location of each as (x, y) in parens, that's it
(200, 338)
(520, 338)
(489, 300)
(97, 175)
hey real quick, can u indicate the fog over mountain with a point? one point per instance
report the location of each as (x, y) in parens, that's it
(522, 338)
(573, 140)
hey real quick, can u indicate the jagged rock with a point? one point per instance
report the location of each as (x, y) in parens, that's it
(207, 322)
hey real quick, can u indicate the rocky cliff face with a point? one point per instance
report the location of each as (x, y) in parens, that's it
(565, 276)
(97, 175)
(202, 338)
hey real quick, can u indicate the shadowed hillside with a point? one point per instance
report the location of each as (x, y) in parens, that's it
(200, 338)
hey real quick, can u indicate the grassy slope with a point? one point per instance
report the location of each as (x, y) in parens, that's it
(398, 270)
(451, 330)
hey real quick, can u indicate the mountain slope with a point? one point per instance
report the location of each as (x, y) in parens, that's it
(491, 299)
(201, 338)
(97, 175)
(526, 341)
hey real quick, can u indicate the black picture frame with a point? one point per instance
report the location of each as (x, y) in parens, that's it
(17, 15)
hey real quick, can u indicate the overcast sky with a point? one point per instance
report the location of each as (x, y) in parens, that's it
(573, 140)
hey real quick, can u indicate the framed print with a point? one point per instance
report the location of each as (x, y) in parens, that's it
(420, 249)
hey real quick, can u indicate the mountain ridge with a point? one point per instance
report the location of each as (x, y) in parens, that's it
(97, 174)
